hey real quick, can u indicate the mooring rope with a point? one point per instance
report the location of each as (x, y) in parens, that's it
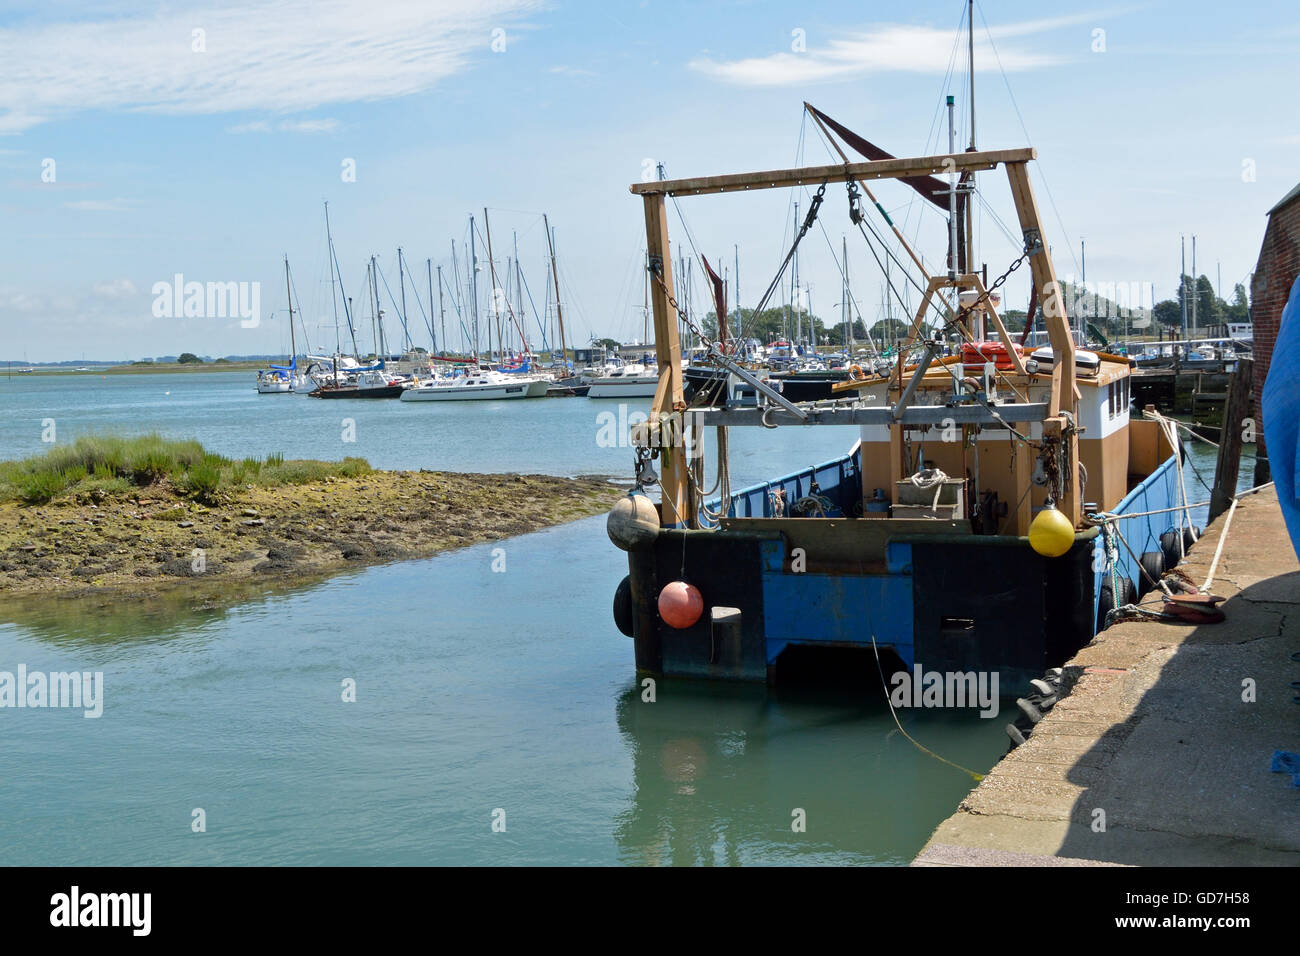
(977, 777)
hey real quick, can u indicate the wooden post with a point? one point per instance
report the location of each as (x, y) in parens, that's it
(678, 504)
(1024, 463)
(1063, 397)
(1235, 409)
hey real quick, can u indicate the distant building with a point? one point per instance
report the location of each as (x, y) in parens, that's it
(1275, 272)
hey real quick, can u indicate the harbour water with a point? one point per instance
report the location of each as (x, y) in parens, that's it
(477, 691)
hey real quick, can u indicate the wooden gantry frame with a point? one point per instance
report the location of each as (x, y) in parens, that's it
(678, 508)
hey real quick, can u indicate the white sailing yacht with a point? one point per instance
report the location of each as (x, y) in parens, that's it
(478, 384)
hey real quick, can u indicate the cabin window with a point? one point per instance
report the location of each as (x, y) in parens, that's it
(1127, 400)
(1110, 394)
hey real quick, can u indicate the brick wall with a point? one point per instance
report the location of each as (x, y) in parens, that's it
(1278, 266)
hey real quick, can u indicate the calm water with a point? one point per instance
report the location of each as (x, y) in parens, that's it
(476, 691)
(222, 410)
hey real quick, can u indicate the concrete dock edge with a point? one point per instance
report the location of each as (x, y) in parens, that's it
(1160, 753)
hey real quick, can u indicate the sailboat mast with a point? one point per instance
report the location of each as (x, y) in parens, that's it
(519, 284)
(555, 277)
(442, 316)
(334, 294)
(376, 320)
(794, 291)
(288, 294)
(492, 274)
(735, 305)
(844, 296)
(473, 283)
(460, 311)
(401, 278)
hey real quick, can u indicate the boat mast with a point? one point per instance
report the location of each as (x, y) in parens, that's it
(970, 185)
(844, 301)
(1182, 282)
(442, 315)
(377, 316)
(970, 36)
(492, 274)
(519, 281)
(288, 294)
(1196, 289)
(401, 278)
(473, 280)
(347, 303)
(555, 277)
(794, 290)
(455, 274)
(735, 305)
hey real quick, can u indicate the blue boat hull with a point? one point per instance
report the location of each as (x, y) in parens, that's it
(945, 602)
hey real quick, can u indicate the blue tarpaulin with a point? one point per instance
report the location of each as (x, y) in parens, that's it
(1286, 762)
(1280, 404)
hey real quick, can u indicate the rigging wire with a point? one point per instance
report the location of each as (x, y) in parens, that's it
(1024, 129)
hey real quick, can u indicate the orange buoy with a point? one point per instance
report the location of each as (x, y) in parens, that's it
(680, 604)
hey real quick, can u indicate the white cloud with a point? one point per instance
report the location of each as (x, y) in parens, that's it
(571, 71)
(16, 121)
(99, 205)
(309, 126)
(286, 126)
(282, 56)
(257, 126)
(115, 289)
(888, 48)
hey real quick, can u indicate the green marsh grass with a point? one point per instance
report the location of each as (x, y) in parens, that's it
(107, 465)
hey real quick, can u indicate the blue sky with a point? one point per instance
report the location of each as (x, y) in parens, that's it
(215, 163)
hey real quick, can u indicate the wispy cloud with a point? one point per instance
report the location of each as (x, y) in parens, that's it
(309, 126)
(887, 48)
(286, 126)
(571, 71)
(256, 126)
(115, 289)
(282, 56)
(99, 205)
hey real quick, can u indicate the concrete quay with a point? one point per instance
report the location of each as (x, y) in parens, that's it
(1154, 757)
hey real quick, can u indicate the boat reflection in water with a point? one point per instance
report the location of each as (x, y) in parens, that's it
(719, 773)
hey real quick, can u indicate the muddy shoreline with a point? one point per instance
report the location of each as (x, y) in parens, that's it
(156, 540)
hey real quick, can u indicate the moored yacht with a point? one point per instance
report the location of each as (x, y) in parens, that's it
(633, 380)
(479, 384)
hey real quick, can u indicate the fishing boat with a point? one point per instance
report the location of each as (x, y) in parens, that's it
(476, 384)
(995, 507)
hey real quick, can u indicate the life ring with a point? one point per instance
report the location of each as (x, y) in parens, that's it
(856, 373)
